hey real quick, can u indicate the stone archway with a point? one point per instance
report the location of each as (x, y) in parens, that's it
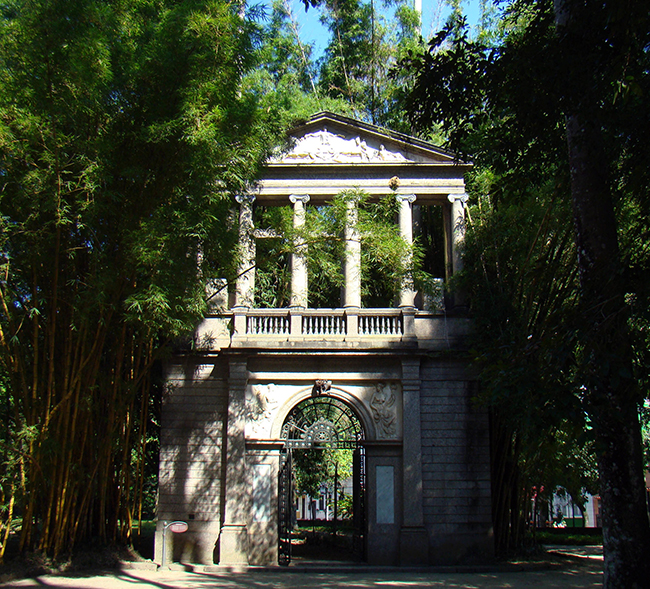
(321, 422)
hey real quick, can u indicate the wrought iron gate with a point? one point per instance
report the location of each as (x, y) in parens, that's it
(321, 422)
(285, 508)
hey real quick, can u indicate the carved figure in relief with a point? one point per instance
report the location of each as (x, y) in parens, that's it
(390, 156)
(321, 387)
(325, 146)
(260, 406)
(383, 409)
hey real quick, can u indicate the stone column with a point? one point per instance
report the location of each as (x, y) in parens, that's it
(299, 279)
(457, 229)
(414, 542)
(233, 539)
(246, 272)
(407, 294)
(352, 261)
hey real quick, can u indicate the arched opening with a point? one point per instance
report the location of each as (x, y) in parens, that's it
(321, 487)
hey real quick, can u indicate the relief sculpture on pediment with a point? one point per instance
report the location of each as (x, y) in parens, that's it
(323, 146)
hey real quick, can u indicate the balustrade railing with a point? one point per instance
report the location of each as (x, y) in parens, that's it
(374, 324)
(323, 322)
(267, 324)
(320, 323)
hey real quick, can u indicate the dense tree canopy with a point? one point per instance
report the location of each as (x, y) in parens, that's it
(123, 128)
(558, 101)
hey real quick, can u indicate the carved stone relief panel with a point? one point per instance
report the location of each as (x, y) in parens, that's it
(380, 404)
(383, 405)
(262, 403)
(326, 147)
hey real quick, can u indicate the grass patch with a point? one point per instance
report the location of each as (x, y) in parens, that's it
(570, 536)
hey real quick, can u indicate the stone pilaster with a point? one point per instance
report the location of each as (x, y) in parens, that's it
(233, 539)
(246, 273)
(407, 294)
(414, 543)
(352, 260)
(299, 279)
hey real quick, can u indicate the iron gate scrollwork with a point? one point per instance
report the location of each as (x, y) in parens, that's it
(285, 508)
(321, 422)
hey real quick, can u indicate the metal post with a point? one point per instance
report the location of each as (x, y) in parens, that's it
(336, 495)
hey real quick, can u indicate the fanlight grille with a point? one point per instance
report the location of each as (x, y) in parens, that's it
(322, 422)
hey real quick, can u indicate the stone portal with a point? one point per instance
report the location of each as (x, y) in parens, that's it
(233, 398)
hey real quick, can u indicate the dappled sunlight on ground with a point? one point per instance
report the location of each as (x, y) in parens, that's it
(572, 575)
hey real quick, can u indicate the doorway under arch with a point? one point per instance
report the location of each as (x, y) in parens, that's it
(325, 424)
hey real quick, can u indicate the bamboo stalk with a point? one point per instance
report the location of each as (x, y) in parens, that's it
(7, 524)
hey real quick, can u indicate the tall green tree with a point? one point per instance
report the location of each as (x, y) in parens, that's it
(123, 128)
(566, 84)
(364, 46)
(598, 43)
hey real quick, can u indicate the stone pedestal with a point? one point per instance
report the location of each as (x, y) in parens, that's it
(413, 546)
(233, 544)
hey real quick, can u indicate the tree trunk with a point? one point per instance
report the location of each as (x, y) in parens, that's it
(611, 392)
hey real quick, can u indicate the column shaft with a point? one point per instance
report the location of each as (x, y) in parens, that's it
(299, 277)
(246, 273)
(407, 293)
(457, 229)
(352, 259)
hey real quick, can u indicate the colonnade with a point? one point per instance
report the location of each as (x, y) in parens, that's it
(351, 295)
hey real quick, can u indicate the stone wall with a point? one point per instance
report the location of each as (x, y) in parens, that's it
(191, 465)
(454, 454)
(455, 465)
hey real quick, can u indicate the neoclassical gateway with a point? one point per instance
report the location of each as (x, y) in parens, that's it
(393, 384)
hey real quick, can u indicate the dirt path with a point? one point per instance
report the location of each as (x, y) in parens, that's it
(574, 569)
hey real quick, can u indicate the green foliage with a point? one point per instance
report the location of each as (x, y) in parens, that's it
(316, 466)
(124, 128)
(364, 46)
(553, 330)
(344, 507)
(569, 537)
(285, 78)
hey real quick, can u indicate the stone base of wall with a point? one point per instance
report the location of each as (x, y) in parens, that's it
(196, 546)
(461, 548)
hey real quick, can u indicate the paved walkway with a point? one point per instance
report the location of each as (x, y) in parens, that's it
(580, 569)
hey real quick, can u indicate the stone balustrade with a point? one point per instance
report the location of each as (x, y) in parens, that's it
(330, 328)
(323, 322)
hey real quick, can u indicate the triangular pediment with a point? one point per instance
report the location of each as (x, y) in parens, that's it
(327, 138)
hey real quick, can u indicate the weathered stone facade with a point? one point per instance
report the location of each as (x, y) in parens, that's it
(402, 371)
